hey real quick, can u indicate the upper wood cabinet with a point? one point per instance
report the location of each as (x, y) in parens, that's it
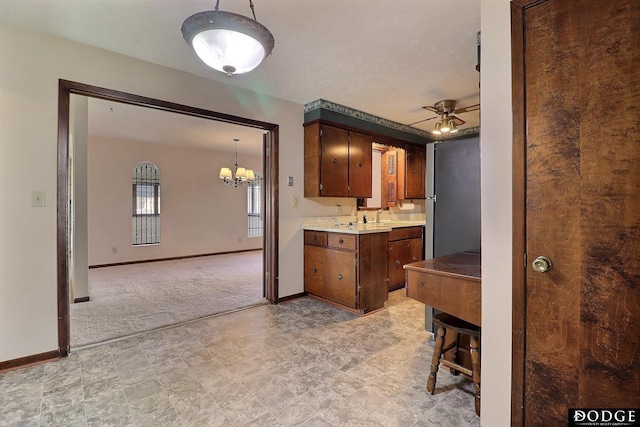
(412, 165)
(337, 162)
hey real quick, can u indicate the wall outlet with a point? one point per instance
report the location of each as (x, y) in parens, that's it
(338, 209)
(295, 200)
(114, 250)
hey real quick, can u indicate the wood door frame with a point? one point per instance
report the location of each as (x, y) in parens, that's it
(519, 315)
(67, 88)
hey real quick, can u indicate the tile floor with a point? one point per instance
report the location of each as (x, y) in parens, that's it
(302, 362)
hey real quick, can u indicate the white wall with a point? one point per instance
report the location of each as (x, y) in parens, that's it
(199, 213)
(495, 151)
(31, 67)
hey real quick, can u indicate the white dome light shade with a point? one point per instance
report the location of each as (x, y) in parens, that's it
(222, 49)
(228, 42)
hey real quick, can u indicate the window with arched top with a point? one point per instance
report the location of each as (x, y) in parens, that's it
(146, 204)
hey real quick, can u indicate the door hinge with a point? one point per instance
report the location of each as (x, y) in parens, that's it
(525, 260)
(320, 131)
(320, 186)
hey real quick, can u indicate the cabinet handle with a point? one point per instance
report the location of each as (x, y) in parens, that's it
(315, 238)
(360, 164)
(341, 241)
(315, 270)
(398, 263)
(414, 258)
(340, 277)
(335, 161)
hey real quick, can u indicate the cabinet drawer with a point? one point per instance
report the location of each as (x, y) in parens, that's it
(342, 241)
(316, 238)
(314, 270)
(403, 233)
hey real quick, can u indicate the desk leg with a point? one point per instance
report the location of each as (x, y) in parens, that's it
(435, 361)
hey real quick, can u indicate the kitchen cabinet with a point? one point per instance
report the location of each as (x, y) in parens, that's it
(337, 162)
(349, 270)
(405, 246)
(412, 170)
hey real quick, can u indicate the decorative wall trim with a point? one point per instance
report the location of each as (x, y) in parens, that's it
(361, 115)
(323, 104)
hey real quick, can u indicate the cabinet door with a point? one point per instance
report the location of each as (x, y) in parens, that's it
(334, 163)
(341, 277)
(314, 270)
(400, 253)
(360, 165)
(415, 172)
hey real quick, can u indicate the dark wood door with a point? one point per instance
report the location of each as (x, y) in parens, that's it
(334, 166)
(360, 165)
(577, 202)
(415, 173)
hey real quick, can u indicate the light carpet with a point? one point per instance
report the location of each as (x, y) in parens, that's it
(134, 298)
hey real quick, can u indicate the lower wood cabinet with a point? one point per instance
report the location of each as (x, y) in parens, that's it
(347, 269)
(405, 246)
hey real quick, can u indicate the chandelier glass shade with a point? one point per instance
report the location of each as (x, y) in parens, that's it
(228, 42)
(239, 175)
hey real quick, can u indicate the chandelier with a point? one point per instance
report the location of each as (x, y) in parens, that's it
(240, 175)
(228, 42)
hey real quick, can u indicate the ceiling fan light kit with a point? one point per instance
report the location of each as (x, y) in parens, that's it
(228, 42)
(448, 123)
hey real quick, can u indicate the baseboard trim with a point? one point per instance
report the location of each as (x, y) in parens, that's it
(171, 258)
(34, 359)
(292, 297)
(81, 299)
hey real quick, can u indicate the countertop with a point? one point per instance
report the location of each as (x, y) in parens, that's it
(360, 228)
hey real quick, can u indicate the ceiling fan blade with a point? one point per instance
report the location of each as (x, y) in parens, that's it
(432, 109)
(457, 120)
(425, 120)
(467, 109)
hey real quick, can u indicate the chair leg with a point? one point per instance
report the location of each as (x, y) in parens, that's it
(455, 338)
(435, 360)
(475, 366)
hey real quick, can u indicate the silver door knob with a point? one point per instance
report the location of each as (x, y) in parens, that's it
(542, 264)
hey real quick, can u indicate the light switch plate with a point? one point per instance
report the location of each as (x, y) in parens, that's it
(37, 199)
(290, 181)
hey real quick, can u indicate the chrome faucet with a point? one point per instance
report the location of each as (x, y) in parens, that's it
(378, 215)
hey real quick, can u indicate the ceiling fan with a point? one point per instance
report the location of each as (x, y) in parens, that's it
(445, 111)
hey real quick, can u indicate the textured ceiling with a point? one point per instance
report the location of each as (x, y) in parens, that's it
(382, 57)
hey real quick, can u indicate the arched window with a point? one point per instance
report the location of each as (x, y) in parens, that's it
(146, 204)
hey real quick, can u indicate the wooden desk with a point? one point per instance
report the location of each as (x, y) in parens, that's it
(450, 283)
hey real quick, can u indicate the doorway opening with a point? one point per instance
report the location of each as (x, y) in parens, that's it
(270, 180)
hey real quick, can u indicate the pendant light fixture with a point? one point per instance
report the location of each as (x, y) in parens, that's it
(240, 175)
(228, 42)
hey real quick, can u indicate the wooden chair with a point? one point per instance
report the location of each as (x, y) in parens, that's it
(454, 327)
